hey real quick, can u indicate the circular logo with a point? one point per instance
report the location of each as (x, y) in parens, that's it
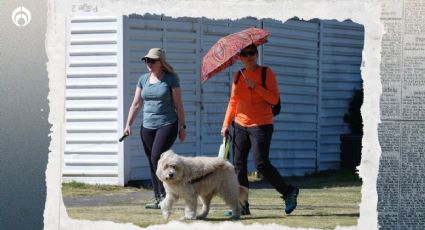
(21, 16)
(219, 52)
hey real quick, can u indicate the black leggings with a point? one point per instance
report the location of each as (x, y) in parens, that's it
(257, 139)
(155, 142)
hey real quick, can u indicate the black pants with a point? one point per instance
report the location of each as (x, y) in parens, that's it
(155, 142)
(257, 139)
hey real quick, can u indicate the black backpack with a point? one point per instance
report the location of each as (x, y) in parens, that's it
(275, 108)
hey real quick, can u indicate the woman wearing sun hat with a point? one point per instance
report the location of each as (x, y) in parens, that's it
(158, 92)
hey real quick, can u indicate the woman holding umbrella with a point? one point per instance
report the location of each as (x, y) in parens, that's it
(250, 109)
(163, 114)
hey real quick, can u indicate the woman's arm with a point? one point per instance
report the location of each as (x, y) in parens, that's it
(230, 112)
(177, 99)
(134, 108)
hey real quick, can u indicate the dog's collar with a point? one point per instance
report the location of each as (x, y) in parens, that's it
(200, 178)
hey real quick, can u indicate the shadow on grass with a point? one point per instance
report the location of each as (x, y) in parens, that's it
(243, 218)
(273, 217)
(330, 214)
(344, 177)
(145, 184)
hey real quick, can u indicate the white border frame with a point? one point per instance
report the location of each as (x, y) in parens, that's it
(365, 12)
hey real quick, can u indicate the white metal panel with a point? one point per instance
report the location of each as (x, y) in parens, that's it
(341, 47)
(179, 38)
(91, 149)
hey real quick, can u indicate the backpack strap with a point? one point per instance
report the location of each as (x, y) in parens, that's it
(263, 75)
(239, 74)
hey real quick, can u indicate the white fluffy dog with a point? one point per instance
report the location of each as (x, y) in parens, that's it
(204, 177)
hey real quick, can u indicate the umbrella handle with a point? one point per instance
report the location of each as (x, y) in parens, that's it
(245, 79)
(243, 75)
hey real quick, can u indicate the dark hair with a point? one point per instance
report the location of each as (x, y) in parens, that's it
(252, 47)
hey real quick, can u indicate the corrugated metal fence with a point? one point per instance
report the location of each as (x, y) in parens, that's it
(317, 64)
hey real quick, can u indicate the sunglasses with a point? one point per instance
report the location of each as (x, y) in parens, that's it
(150, 61)
(248, 53)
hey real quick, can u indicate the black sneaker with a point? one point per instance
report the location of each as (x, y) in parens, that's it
(291, 200)
(245, 209)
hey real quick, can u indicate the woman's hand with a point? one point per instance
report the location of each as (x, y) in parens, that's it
(127, 130)
(250, 83)
(182, 134)
(224, 131)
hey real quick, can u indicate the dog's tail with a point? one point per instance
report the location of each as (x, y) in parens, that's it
(243, 193)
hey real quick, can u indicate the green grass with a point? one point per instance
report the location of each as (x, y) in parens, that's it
(326, 200)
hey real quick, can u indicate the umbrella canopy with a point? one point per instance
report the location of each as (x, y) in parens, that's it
(225, 51)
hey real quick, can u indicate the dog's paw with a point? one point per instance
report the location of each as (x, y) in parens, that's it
(166, 215)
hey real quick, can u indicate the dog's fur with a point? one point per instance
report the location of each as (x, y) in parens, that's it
(206, 177)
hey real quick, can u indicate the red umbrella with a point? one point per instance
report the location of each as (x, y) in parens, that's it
(225, 51)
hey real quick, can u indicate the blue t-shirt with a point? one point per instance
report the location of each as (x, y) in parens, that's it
(158, 104)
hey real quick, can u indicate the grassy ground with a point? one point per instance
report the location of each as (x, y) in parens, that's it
(326, 200)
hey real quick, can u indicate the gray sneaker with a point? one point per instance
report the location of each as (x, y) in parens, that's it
(153, 204)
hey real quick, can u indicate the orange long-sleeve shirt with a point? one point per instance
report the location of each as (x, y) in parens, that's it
(252, 107)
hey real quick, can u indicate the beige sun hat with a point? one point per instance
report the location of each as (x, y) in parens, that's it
(159, 53)
(155, 53)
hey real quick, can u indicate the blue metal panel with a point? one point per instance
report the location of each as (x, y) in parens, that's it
(341, 45)
(317, 64)
(292, 53)
(216, 91)
(179, 38)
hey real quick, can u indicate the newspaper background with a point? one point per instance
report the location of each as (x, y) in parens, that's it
(401, 183)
